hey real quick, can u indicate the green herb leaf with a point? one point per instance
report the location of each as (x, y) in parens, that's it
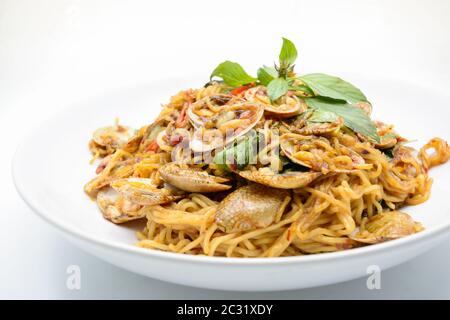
(288, 54)
(388, 136)
(277, 88)
(304, 90)
(333, 87)
(389, 153)
(354, 118)
(232, 74)
(267, 74)
(239, 155)
(321, 116)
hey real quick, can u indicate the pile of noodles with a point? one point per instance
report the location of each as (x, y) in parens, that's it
(318, 218)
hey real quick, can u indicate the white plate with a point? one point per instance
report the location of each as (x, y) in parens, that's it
(51, 166)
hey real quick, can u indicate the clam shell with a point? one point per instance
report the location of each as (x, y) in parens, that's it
(250, 207)
(218, 138)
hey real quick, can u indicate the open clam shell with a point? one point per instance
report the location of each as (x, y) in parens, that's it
(144, 192)
(311, 152)
(113, 136)
(250, 207)
(116, 208)
(388, 137)
(285, 107)
(191, 180)
(200, 112)
(387, 226)
(287, 180)
(231, 122)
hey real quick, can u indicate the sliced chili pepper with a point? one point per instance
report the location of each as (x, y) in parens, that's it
(103, 164)
(152, 147)
(182, 118)
(100, 168)
(241, 89)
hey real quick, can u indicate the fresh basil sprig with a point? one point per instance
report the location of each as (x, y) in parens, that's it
(287, 57)
(328, 94)
(232, 74)
(279, 86)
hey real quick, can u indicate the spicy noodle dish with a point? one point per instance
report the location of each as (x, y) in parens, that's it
(280, 164)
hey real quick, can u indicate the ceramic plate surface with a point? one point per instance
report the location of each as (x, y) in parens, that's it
(52, 164)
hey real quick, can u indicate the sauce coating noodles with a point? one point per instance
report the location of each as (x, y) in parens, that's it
(353, 200)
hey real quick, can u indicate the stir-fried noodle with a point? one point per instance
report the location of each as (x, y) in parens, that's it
(306, 189)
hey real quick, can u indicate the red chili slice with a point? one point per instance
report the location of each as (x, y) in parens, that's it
(241, 89)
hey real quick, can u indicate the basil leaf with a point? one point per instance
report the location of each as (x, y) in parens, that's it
(354, 118)
(320, 115)
(288, 53)
(303, 89)
(333, 87)
(389, 153)
(267, 74)
(277, 88)
(239, 155)
(232, 74)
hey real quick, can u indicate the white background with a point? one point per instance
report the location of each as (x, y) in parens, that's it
(53, 53)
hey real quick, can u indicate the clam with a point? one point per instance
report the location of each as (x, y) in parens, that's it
(220, 99)
(250, 207)
(113, 136)
(315, 122)
(407, 161)
(287, 180)
(387, 226)
(388, 137)
(404, 155)
(230, 122)
(203, 111)
(191, 180)
(205, 140)
(285, 107)
(150, 134)
(320, 128)
(295, 124)
(288, 107)
(116, 208)
(132, 145)
(144, 192)
(310, 151)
